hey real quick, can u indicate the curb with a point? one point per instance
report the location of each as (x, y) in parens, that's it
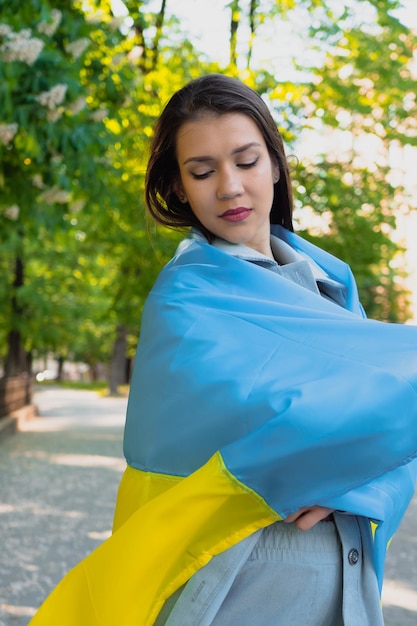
(10, 424)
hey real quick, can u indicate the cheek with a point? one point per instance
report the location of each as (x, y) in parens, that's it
(199, 192)
(263, 186)
(197, 199)
(265, 173)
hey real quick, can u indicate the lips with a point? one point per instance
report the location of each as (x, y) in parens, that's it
(236, 215)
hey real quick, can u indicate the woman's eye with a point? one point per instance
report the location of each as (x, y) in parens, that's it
(247, 166)
(201, 176)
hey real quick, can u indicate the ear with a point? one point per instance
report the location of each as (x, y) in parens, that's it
(178, 189)
(276, 173)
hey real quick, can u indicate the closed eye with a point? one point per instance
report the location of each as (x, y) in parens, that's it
(201, 176)
(247, 166)
(244, 166)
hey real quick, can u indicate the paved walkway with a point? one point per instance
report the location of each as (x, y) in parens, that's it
(58, 484)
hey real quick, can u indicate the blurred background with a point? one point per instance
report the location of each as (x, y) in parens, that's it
(81, 84)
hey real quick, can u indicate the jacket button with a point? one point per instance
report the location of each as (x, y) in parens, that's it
(353, 556)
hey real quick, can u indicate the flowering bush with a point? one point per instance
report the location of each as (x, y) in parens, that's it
(19, 46)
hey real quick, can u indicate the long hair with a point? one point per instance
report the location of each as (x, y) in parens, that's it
(217, 95)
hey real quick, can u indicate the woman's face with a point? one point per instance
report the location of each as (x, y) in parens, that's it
(227, 176)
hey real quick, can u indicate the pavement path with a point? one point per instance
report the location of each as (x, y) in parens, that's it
(58, 483)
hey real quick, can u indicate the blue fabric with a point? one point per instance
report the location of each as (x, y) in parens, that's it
(309, 403)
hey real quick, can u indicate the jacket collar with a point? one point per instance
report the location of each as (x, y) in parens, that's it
(289, 247)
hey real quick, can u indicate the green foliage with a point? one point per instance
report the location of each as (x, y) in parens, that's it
(78, 104)
(362, 90)
(53, 140)
(356, 224)
(79, 94)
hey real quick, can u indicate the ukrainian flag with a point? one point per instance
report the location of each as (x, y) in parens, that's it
(251, 397)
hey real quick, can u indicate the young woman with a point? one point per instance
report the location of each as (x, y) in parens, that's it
(269, 423)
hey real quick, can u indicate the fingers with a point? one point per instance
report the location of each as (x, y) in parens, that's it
(294, 516)
(306, 518)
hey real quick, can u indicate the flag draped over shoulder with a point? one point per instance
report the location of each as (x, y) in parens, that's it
(251, 397)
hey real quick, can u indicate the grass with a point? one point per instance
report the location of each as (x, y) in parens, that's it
(100, 386)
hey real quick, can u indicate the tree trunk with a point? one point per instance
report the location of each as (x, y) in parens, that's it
(17, 360)
(118, 361)
(234, 24)
(159, 22)
(252, 26)
(61, 361)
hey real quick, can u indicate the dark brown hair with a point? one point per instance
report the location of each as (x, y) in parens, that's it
(213, 94)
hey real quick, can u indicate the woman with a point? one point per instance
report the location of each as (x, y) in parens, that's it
(268, 422)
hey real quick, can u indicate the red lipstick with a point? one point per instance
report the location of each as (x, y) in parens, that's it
(236, 215)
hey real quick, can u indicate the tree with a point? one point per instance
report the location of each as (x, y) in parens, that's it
(356, 96)
(80, 90)
(52, 140)
(79, 107)
(348, 90)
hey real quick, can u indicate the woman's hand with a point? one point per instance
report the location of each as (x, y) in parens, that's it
(308, 517)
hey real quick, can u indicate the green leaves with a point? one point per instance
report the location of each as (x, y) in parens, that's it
(76, 117)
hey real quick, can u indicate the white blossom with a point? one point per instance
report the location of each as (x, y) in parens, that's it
(55, 195)
(135, 54)
(117, 22)
(54, 115)
(80, 235)
(7, 132)
(49, 27)
(96, 17)
(52, 98)
(21, 47)
(12, 212)
(77, 106)
(99, 115)
(4, 30)
(77, 206)
(77, 47)
(37, 181)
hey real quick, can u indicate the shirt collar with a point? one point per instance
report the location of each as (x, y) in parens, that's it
(238, 250)
(286, 255)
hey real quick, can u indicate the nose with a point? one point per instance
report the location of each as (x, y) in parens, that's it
(229, 184)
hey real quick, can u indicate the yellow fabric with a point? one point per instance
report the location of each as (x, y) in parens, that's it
(128, 578)
(136, 489)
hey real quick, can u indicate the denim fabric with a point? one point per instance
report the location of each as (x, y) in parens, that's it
(361, 598)
(291, 577)
(205, 592)
(283, 576)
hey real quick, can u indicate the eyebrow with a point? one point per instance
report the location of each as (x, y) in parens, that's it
(202, 159)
